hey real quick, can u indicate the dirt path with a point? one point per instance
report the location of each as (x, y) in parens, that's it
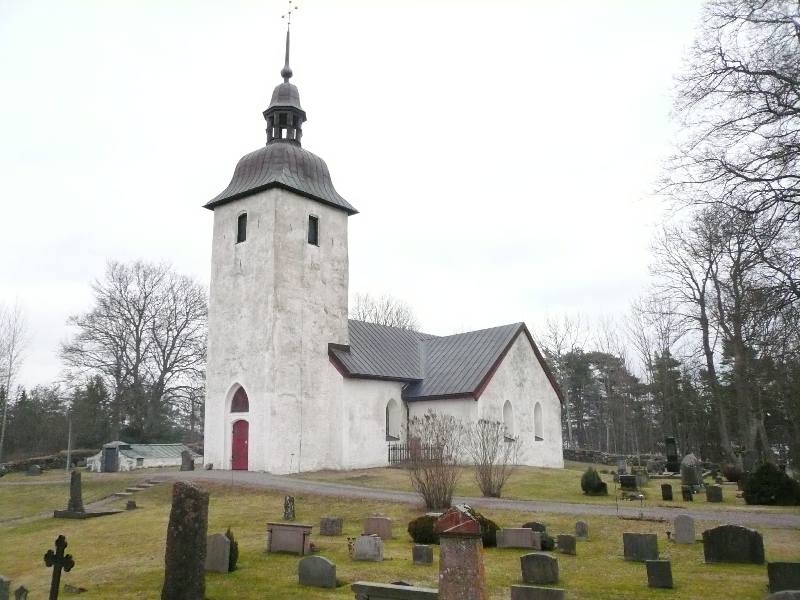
(748, 516)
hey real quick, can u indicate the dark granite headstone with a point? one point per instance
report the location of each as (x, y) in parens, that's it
(422, 554)
(539, 568)
(75, 503)
(783, 576)
(330, 525)
(640, 546)
(130, 505)
(714, 493)
(686, 493)
(673, 464)
(533, 592)
(659, 573)
(666, 492)
(565, 544)
(733, 544)
(316, 571)
(185, 556)
(627, 482)
(785, 595)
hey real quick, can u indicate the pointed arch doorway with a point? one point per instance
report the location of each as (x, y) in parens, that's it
(239, 441)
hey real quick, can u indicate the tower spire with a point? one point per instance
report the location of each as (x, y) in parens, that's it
(286, 71)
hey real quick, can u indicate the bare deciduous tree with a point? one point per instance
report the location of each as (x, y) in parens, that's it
(146, 336)
(494, 455)
(14, 341)
(386, 310)
(435, 446)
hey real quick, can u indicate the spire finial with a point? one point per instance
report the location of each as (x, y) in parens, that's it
(286, 71)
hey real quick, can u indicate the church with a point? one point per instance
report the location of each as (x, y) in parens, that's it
(292, 384)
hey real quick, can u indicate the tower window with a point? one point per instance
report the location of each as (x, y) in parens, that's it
(313, 230)
(241, 228)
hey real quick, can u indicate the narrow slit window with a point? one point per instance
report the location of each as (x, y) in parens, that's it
(241, 228)
(313, 230)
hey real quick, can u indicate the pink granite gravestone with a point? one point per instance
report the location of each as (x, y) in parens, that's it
(461, 570)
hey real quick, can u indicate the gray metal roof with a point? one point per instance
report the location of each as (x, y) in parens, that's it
(286, 94)
(153, 450)
(285, 164)
(432, 366)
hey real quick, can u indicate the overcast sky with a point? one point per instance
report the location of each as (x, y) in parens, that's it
(502, 155)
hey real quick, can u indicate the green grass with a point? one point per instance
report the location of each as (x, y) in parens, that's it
(121, 557)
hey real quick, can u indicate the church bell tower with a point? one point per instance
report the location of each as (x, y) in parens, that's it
(278, 297)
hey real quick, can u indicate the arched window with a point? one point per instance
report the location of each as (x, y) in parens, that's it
(508, 419)
(538, 426)
(392, 420)
(240, 403)
(241, 228)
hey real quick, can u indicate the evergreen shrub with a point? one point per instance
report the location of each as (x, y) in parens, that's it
(548, 543)
(421, 530)
(770, 485)
(233, 558)
(592, 484)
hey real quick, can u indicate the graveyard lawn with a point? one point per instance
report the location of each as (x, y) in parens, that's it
(121, 557)
(24, 496)
(536, 483)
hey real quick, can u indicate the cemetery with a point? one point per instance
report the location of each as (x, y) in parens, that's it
(359, 548)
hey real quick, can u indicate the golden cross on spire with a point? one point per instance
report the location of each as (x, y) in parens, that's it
(289, 14)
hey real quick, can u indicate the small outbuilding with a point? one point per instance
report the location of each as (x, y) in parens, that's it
(121, 456)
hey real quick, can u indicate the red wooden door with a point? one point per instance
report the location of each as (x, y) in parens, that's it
(241, 431)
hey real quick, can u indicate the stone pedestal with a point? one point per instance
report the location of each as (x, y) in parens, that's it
(461, 570)
(185, 557)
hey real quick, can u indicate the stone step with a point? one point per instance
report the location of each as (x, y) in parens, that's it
(123, 494)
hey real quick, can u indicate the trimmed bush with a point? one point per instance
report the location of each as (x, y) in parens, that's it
(731, 472)
(233, 558)
(548, 543)
(769, 485)
(421, 530)
(488, 531)
(592, 484)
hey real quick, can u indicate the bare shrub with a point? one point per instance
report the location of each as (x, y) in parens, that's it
(435, 446)
(494, 455)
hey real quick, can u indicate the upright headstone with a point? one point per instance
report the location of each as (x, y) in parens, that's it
(422, 554)
(733, 544)
(461, 570)
(691, 473)
(659, 573)
(378, 525)
(316, 571)
(622, 466)
(684, 530)
(714, 493)
(187, 462)
(288, 508)
(640, 546)
(565, 544)
(686, 493)
(21, 593)
(519, 537)
(330, 525)
(783, 576)
(34, 470)
(368, 547)
(75, 503)
(628, 482)
(218, 553)
(5, 588)
(533, 592)
(673, 464)
(185, 556)
(666, 492)
(785, 595)
(539, 568)
(582, 531)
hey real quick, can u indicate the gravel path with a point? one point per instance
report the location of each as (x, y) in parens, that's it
(743, 516)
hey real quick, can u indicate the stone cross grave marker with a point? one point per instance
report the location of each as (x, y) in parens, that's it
(582, 531)
(684, 530)
(733, 544)
(185, 556)
(539, 568)
(783, 576)
(58, 561)
(288, 508)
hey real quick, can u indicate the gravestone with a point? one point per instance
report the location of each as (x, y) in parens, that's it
(783, 576)
(684, 530)
(130, 505)
(536, 526)
(58, 561)
(368, 547)
(785, 595)
(5, 588)
(34, 470)
(686, 493)
(642, 478)
(627, 482)
(659, 574)
(330, 525)
(461, 570)
(288, 508)
(565, 544)
(714, 493)
(292, 538)
(519, 537)
(640, 546)
(75, 503)
(185, 556)
(718, 480)
(367, 590)
(218, 553)
(187, 462)
(422, 554)
(733, 544)
(532, 592)
(622, 467)
(673, 464)
(691, 473)
(539, 568)
(378, 525)
(21, 593)
(666, 492)
(316, 571)
(582, 531)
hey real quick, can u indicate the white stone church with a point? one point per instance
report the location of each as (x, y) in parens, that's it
(292, 384)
